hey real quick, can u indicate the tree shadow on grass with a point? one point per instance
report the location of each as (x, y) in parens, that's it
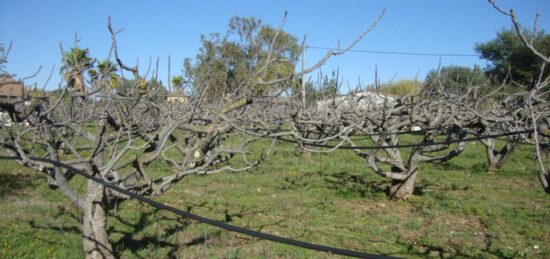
(421, 248)
(13, 183)
(424, 186)
(151, 230)
(140, 237)
(296, 181)
(136, 237)
(362, 186)
(479, 168)
(450, 165)
(353, 185)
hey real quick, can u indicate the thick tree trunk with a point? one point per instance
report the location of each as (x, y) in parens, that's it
(492, 159)
(401, 189)
(496, 158)
(96, 240)
(545, 181)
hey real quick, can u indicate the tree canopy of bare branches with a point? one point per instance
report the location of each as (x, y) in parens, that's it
(122, 130)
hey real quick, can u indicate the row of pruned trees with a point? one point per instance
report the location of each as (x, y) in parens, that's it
(455, 104)
(121, 129)
(449, 110)
(437, 126)
(122, 136)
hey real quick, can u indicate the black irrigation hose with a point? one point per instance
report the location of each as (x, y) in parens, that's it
(412, 145)
(162, 206)
(362, 134)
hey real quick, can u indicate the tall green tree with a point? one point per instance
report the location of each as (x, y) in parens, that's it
(105, 75)
(328, 86)
(3, 59)
(75, 64)
(456, 79)
(507, 53)
(325, 87)
(231, 64)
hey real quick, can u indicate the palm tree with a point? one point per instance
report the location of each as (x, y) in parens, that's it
(108, 78)
(75, 63)
(177, 82)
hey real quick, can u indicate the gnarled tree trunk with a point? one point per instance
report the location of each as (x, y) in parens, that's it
(401, 189)
(96, 240)
(496, 158)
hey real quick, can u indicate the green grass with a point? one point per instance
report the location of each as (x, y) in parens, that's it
(460, 210)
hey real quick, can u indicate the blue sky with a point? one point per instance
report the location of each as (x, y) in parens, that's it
(161, 28)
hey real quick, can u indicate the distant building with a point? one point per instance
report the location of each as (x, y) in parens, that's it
(11, 91)
(177, 96)
(10, 88)
(180, 99)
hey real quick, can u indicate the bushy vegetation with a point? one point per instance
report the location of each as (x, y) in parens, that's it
(227, 64)
(401, 87)
(457, 79)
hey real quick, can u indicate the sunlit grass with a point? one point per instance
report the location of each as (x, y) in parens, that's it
(333, 199)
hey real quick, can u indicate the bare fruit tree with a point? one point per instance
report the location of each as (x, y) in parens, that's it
(535, 98)
(491, 115)
(129, 132)
(122, 138)
(373, 124)
(445, 117)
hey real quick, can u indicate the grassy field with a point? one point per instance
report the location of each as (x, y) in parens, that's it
(459, 210)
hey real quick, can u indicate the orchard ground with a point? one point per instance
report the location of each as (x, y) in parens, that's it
(458, 210)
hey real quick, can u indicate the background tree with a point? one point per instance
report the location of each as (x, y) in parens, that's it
(3, 58)
(401, 87)
(328, 86)
(177, 83)
(124, 139)
(324, 88)
(456, 79)
(230, 65)
(534, 90)
(105, 75)
(75, 63)
(507, 53)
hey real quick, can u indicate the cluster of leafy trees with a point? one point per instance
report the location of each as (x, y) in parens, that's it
(510, 58)
(79, 68)
(510, 62)
(225, 65)
(229, 65)
(456, 78)
(325, 87)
